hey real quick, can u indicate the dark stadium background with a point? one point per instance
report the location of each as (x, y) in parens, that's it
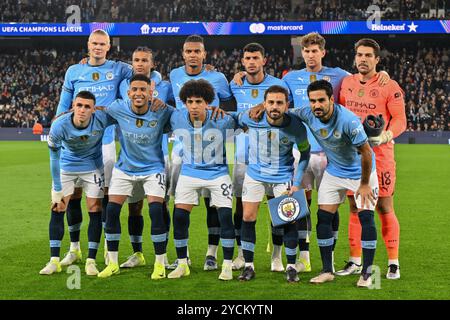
(427, 57)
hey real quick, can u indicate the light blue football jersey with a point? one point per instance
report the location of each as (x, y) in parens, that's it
(270, 148)
(203, 149)
(298, 81)
(178, 77)
(140, 138)
(339, 138)
(80, 149)
(163, 91)
(103, 81)
(247, 96)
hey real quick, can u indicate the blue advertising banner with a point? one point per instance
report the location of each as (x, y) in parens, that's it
(227, 28)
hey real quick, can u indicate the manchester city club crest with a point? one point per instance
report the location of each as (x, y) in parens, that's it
(337, 134)
(139, 123)
(109, 76)
(152, 123)
(326, 78)
(155, 94)
(255, 93)
(288, 209)
(285, 140)
(95, 76)
(323, 133)
(373, 93)
(312, 78)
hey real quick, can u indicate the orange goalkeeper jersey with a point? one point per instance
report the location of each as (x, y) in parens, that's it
(370, 98)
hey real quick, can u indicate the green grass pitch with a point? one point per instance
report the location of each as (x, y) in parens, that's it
(422, 206)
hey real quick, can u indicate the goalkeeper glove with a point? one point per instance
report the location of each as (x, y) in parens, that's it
(57, 196)
(384, 137)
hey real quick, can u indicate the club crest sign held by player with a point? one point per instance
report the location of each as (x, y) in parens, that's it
(288, 209)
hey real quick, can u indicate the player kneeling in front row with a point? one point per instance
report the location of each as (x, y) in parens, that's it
(271, 168)
(75, 143)
(204, 167)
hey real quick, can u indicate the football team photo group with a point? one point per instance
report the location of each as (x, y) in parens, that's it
(318, 144)
(181, 169)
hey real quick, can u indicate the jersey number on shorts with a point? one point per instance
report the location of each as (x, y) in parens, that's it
(100, 181)
(226, 190)
(375, 192)
(161, 180)
(385, 178)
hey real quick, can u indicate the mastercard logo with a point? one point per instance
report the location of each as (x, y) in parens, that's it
(257, 28)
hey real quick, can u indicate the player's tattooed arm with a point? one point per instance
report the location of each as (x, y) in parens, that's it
(238, 78)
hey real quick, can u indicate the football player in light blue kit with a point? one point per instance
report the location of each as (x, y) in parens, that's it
(351, 166)
(75, 143)
(141, 163)
(249, 94)
(271, 169)
(313, 51)
(204, 167)
(142, 61)
(101, 77)
(194, 55)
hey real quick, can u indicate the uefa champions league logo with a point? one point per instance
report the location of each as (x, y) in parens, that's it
(288, 209)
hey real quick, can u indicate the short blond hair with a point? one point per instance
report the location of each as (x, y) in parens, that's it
(312, 39)
(100, 32)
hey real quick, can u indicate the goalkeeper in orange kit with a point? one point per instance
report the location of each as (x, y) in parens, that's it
(361, 94)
